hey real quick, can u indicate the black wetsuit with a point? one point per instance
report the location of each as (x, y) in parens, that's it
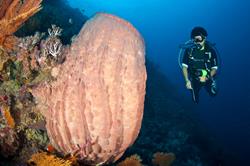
(196, 60)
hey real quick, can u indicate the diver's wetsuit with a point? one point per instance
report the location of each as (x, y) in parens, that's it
(197, 60)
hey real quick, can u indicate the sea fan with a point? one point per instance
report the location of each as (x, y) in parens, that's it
(13, 13)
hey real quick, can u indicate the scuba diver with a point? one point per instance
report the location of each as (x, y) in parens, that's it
(199, 64)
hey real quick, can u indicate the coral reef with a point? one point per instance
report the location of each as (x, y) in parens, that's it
(96, 104)
(18, 68)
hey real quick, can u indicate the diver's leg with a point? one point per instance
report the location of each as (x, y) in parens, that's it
(196, 86)
(211, 87)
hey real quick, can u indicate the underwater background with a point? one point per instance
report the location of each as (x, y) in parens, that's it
(167, 24)
(214, 132)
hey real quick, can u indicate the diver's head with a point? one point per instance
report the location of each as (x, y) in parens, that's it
(198, 35)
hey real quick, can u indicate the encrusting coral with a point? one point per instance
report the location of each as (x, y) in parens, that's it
(16, 72)
(13, 13)
(15, 64)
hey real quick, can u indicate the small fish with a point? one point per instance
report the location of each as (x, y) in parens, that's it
(50, 148)
(70, 21)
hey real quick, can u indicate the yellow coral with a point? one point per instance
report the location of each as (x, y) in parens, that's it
(6, 113)
(133, 160)
(163, 159)
(45, 159)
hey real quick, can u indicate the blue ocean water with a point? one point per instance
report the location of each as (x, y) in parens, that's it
(166, 24)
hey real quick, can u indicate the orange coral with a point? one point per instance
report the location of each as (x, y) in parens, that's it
(43, 158)
(133, 160)
(13, 13)
(6, 113)
(163, 159)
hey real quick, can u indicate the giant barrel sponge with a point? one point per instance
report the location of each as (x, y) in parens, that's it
(94, 108)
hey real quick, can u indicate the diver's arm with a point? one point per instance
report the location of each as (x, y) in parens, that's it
(185, 63)
(213, 72)
(214, 61)
(185, 74)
